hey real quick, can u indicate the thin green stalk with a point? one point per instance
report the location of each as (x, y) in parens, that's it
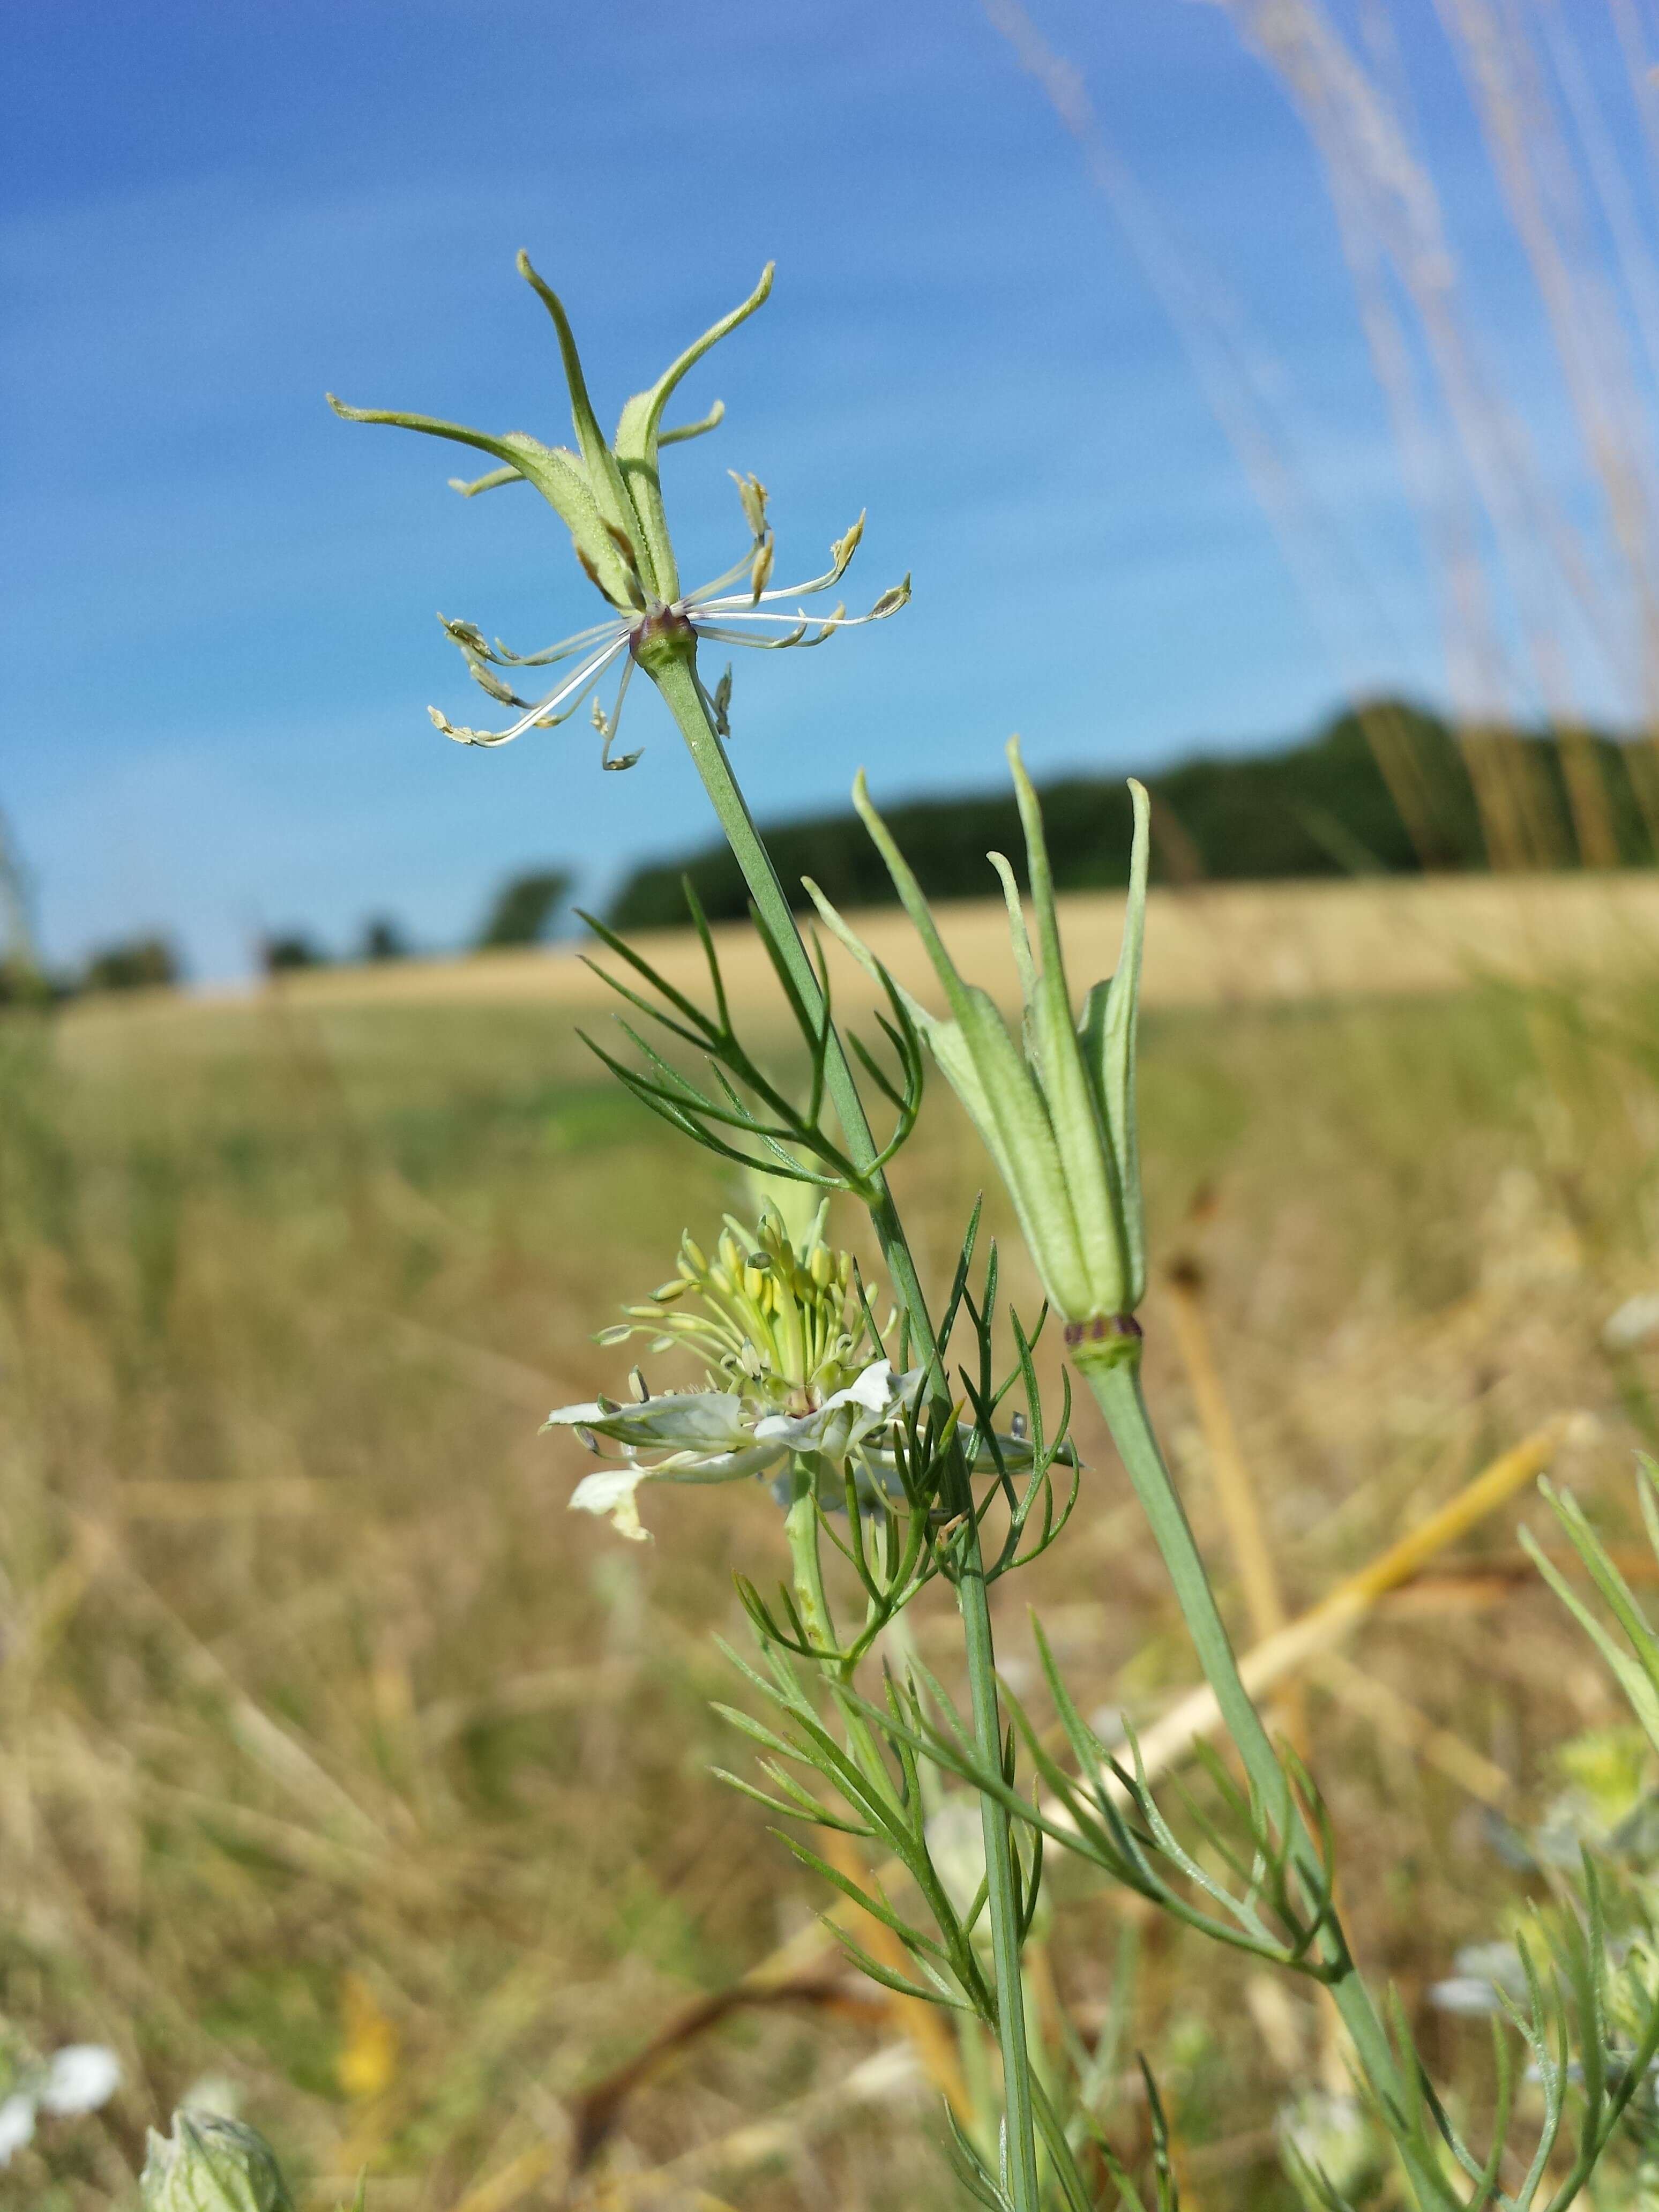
(1116, 1382)
(800, 1525)
(673, 673)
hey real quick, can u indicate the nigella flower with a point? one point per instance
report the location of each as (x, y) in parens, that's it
(796, 1378)
(76, 2080)
(1485, 1975)
(610, 497)
(720, 1435)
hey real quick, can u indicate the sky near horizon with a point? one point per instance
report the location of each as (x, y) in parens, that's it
(220, 636)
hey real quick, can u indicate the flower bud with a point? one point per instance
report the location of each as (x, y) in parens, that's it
(211, 2165)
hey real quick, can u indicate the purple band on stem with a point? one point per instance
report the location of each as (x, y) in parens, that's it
(1098, 1330)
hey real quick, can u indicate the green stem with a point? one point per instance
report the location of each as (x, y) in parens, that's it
(803, 1530)
(1116, 1382)
(800, 1525)
(674, 675)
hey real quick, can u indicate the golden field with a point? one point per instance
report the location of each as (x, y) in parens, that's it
(339, 1761)
(1206, 945)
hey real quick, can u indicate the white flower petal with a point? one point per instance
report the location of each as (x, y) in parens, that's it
(845, 1419)
(215, 2095)
(1635, 1322)
(706, 1421)
(80, 2078)
(1469, 1994)
(751, 1457)
(874, 1388)
(16, 2125)
(788, 1433)
(611, 1491)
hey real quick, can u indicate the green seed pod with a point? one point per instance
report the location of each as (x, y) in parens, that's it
(1056, 1104)
(211, 2165)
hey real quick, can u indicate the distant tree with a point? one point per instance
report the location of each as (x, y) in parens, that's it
(292, 948)
(526, 909)
(384, 939)
(137, 964)
(1322, 807)
(23, 984)
(25, 979)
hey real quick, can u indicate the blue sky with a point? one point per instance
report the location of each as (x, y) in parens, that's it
(221, 643)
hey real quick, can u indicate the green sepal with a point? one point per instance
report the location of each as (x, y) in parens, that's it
(604, 476)
(639, 433)
(557, 473)
(1081, 1131)
(608, 497)
(1110, 1032)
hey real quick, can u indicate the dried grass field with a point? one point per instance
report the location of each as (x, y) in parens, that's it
(338, 1760)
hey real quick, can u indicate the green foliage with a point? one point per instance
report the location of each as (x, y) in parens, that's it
(137, 964)
(384, 939)
(526, 909)
(1320, 808)
(23, 984)
(744, 1115)
(291, 948)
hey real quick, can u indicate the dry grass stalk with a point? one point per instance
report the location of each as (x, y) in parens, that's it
(1528, 617)
(1236, 1494)
(1495, 524)
(1338, 1614)
(1360, 1692)
(925, 2025)
(1398, 1719)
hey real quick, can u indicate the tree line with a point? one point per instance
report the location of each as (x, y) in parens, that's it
(1321, 808)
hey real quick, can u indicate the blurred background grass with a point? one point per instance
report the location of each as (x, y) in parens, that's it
(339, 1761)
